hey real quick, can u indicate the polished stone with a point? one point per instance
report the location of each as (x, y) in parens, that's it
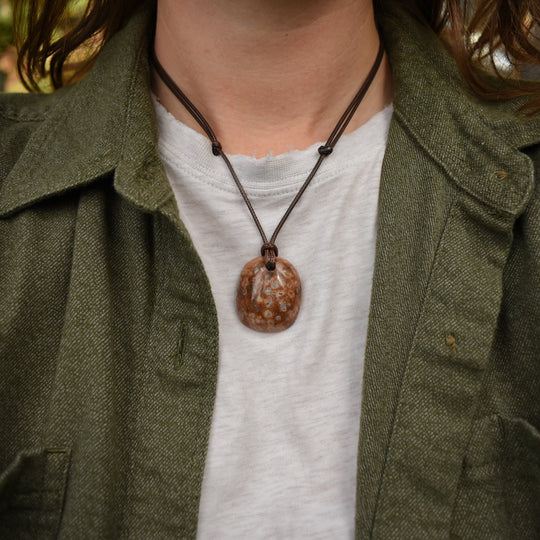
(268, 300)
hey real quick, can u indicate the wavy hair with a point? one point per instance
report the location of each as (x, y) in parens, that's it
(477, 33)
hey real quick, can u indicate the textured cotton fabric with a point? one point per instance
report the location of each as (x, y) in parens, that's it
(109, 332)
(282, 453)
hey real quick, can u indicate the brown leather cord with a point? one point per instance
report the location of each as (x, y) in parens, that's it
(269, 249)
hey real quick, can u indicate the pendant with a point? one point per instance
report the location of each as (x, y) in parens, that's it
(268, 300)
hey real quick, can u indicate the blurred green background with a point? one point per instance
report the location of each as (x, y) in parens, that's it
(9, 79)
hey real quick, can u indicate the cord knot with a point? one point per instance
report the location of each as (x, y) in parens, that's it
(325, 150)
(216, 148)
(269, 251)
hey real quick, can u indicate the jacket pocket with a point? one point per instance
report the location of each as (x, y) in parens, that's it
(499, 490)
(32, 494)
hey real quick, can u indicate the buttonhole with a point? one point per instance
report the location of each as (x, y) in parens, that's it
(181, 347)
(499, 175)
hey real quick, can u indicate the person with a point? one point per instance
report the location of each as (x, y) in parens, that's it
(402, 402)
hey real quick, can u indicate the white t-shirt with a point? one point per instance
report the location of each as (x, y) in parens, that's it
(283, 444)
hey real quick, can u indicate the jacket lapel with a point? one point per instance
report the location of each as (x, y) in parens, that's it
(453, 184)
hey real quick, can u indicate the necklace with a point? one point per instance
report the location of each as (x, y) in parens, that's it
(269, 291)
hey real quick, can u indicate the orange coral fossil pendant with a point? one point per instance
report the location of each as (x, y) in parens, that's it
(268, 300)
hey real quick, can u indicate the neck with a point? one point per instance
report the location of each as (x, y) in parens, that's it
(269, 76)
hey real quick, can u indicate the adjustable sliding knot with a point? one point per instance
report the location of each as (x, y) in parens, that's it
(325, 150)
(269, 251)
(216, 148)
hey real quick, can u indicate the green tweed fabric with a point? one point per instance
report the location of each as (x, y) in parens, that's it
(109, 333)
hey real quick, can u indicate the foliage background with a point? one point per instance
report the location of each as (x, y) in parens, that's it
(9, 79)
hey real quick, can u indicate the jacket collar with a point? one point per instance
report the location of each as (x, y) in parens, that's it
(476, 142)
(106, 124)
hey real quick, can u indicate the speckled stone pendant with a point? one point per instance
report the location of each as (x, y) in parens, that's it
(268, 300)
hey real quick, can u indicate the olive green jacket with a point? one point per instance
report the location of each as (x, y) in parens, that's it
(109, 334)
